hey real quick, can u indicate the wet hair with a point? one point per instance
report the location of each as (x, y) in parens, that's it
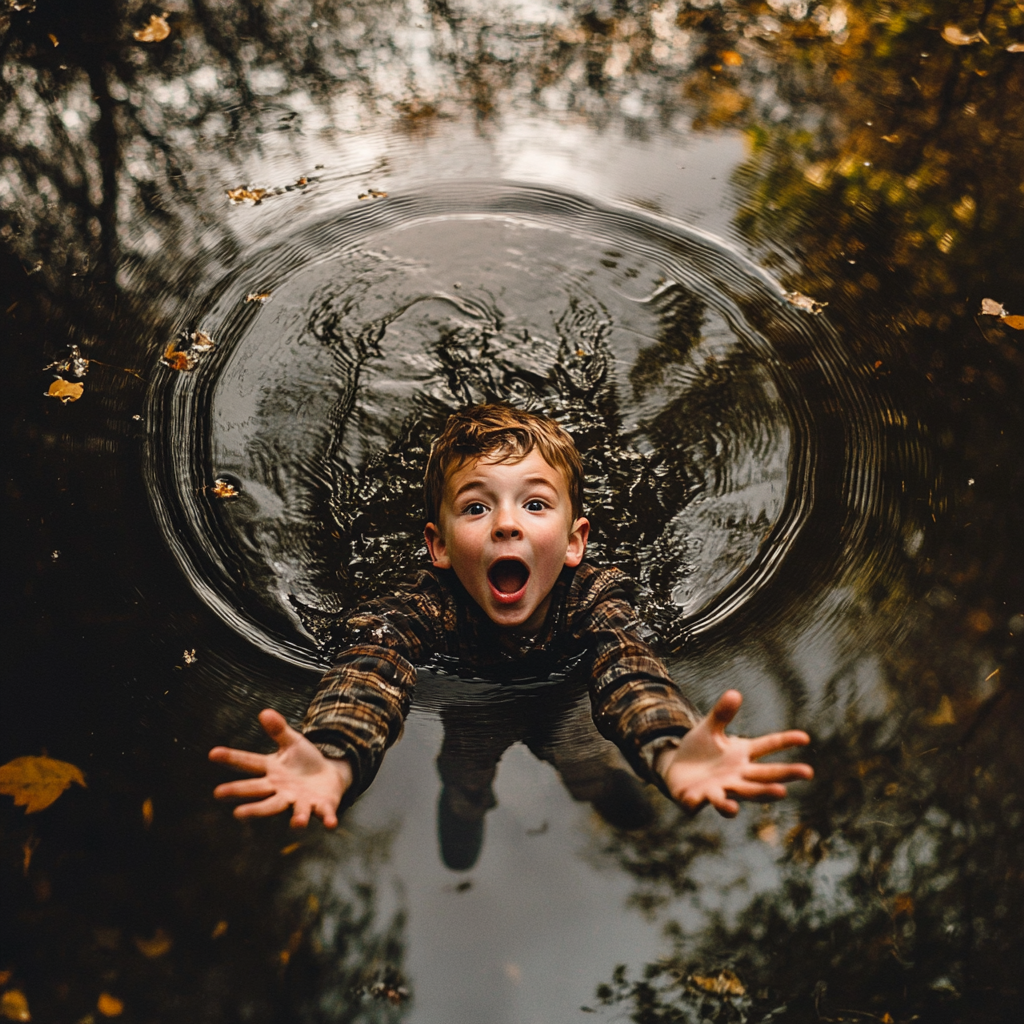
(503, 434)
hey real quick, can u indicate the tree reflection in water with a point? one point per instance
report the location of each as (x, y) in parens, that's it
(884, 176)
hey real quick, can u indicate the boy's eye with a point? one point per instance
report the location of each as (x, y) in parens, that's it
(535, 506)
(475, 509)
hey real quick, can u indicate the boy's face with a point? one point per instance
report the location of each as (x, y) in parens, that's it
(507, 530)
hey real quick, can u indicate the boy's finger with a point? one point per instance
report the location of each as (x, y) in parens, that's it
(776, 741)
(725, 709)
(327, 816)
(264, 808)
(300, 817)
(275, 725)
(778, 772)
(244, 788)
(244, 759)
(758, 791)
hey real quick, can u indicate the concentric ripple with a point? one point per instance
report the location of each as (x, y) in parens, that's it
(704, 403)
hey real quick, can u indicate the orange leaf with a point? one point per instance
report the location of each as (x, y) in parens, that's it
(244, 192)
(37, 781)
(219, 929)
(66, 390)
(14, 1005)
(156, 31)
(732, 59)
(156, 946)
(725, 983)
(1016, 322)
(176, 359)
(956, 37)
(109, 1006)
(147, 812)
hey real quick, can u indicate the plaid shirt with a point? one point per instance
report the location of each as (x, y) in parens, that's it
(591, 627)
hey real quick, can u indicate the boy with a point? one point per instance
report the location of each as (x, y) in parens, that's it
(509, 597)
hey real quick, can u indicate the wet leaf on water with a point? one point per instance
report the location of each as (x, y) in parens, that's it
(109, 1006)
(1015, 48)
(177, 360)
(989, 307)
(75, 363)
(14, 1005)
(156, 31)
(724, 983)
(147, 812)
(155, 947)
(260, 297)
(289, 849)
(890, 138)
(1016, 322)
(5, 976)
(732, 59)
(202, 342)
(804, 302)
(373, 193)
(246, 193)
(37, 781)
(943, 714)
(219, 929)
(302, 182)
(53, 39)
(224, 489)
(65, 390)
(190, 657)
(954, 35)
(394, 994)
(27, 849)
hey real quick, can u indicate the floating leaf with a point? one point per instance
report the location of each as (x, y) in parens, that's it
(109, 1006)
(1016, 322)
(177, 360)
(14, 1005)
(989, 307)
(219, 929)
(373, 193)
(804, 302)
(956, 37)
(75, 363)
(724, 983)
(290, 848)
(1015, 48)
(66, 390)
(246, 193)
(5, 976)
(27, 849)
(37, 781)
(155, 947)
(732, 59)
(190, 657)
(943, 714)
(202, 342)
(147, 812)
(890, 138)
(259, 297)
(224, 489)
(156, 31)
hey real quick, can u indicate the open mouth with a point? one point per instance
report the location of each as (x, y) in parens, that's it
(508, 578)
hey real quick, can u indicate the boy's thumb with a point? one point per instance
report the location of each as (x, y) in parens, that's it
(274, 723)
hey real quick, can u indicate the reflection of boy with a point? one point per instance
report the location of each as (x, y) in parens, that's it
(509, 596)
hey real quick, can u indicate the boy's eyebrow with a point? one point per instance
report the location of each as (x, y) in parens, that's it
(530, 480)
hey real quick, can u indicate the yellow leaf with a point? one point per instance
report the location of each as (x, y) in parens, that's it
(147, 812)
(943, 714)
(109, 1006)
(37, 781)
(259, 297)
(290, 848)
(14, 1005)
(725, 983)
(732, 59)
(66, 390)
(224, 489)
(219, 929)
(176, 359)
(244, 193)
(1015, 48)
(804, 302)
(155, 31)
(156, 946)
(956, 37)
(1016, 322)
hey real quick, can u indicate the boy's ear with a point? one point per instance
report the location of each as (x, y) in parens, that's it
(577, 543)
(437, 547)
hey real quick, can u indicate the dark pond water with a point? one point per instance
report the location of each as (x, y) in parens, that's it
(740, 250)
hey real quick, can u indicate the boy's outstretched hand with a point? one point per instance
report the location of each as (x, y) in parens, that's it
(710, 767)
(296, 775)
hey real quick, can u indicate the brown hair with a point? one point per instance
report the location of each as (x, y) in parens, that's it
(503, 434)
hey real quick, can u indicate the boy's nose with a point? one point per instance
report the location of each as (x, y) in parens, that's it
(506, 528)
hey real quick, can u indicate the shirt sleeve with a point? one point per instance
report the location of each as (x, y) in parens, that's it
(635, 702)
(362, 702)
